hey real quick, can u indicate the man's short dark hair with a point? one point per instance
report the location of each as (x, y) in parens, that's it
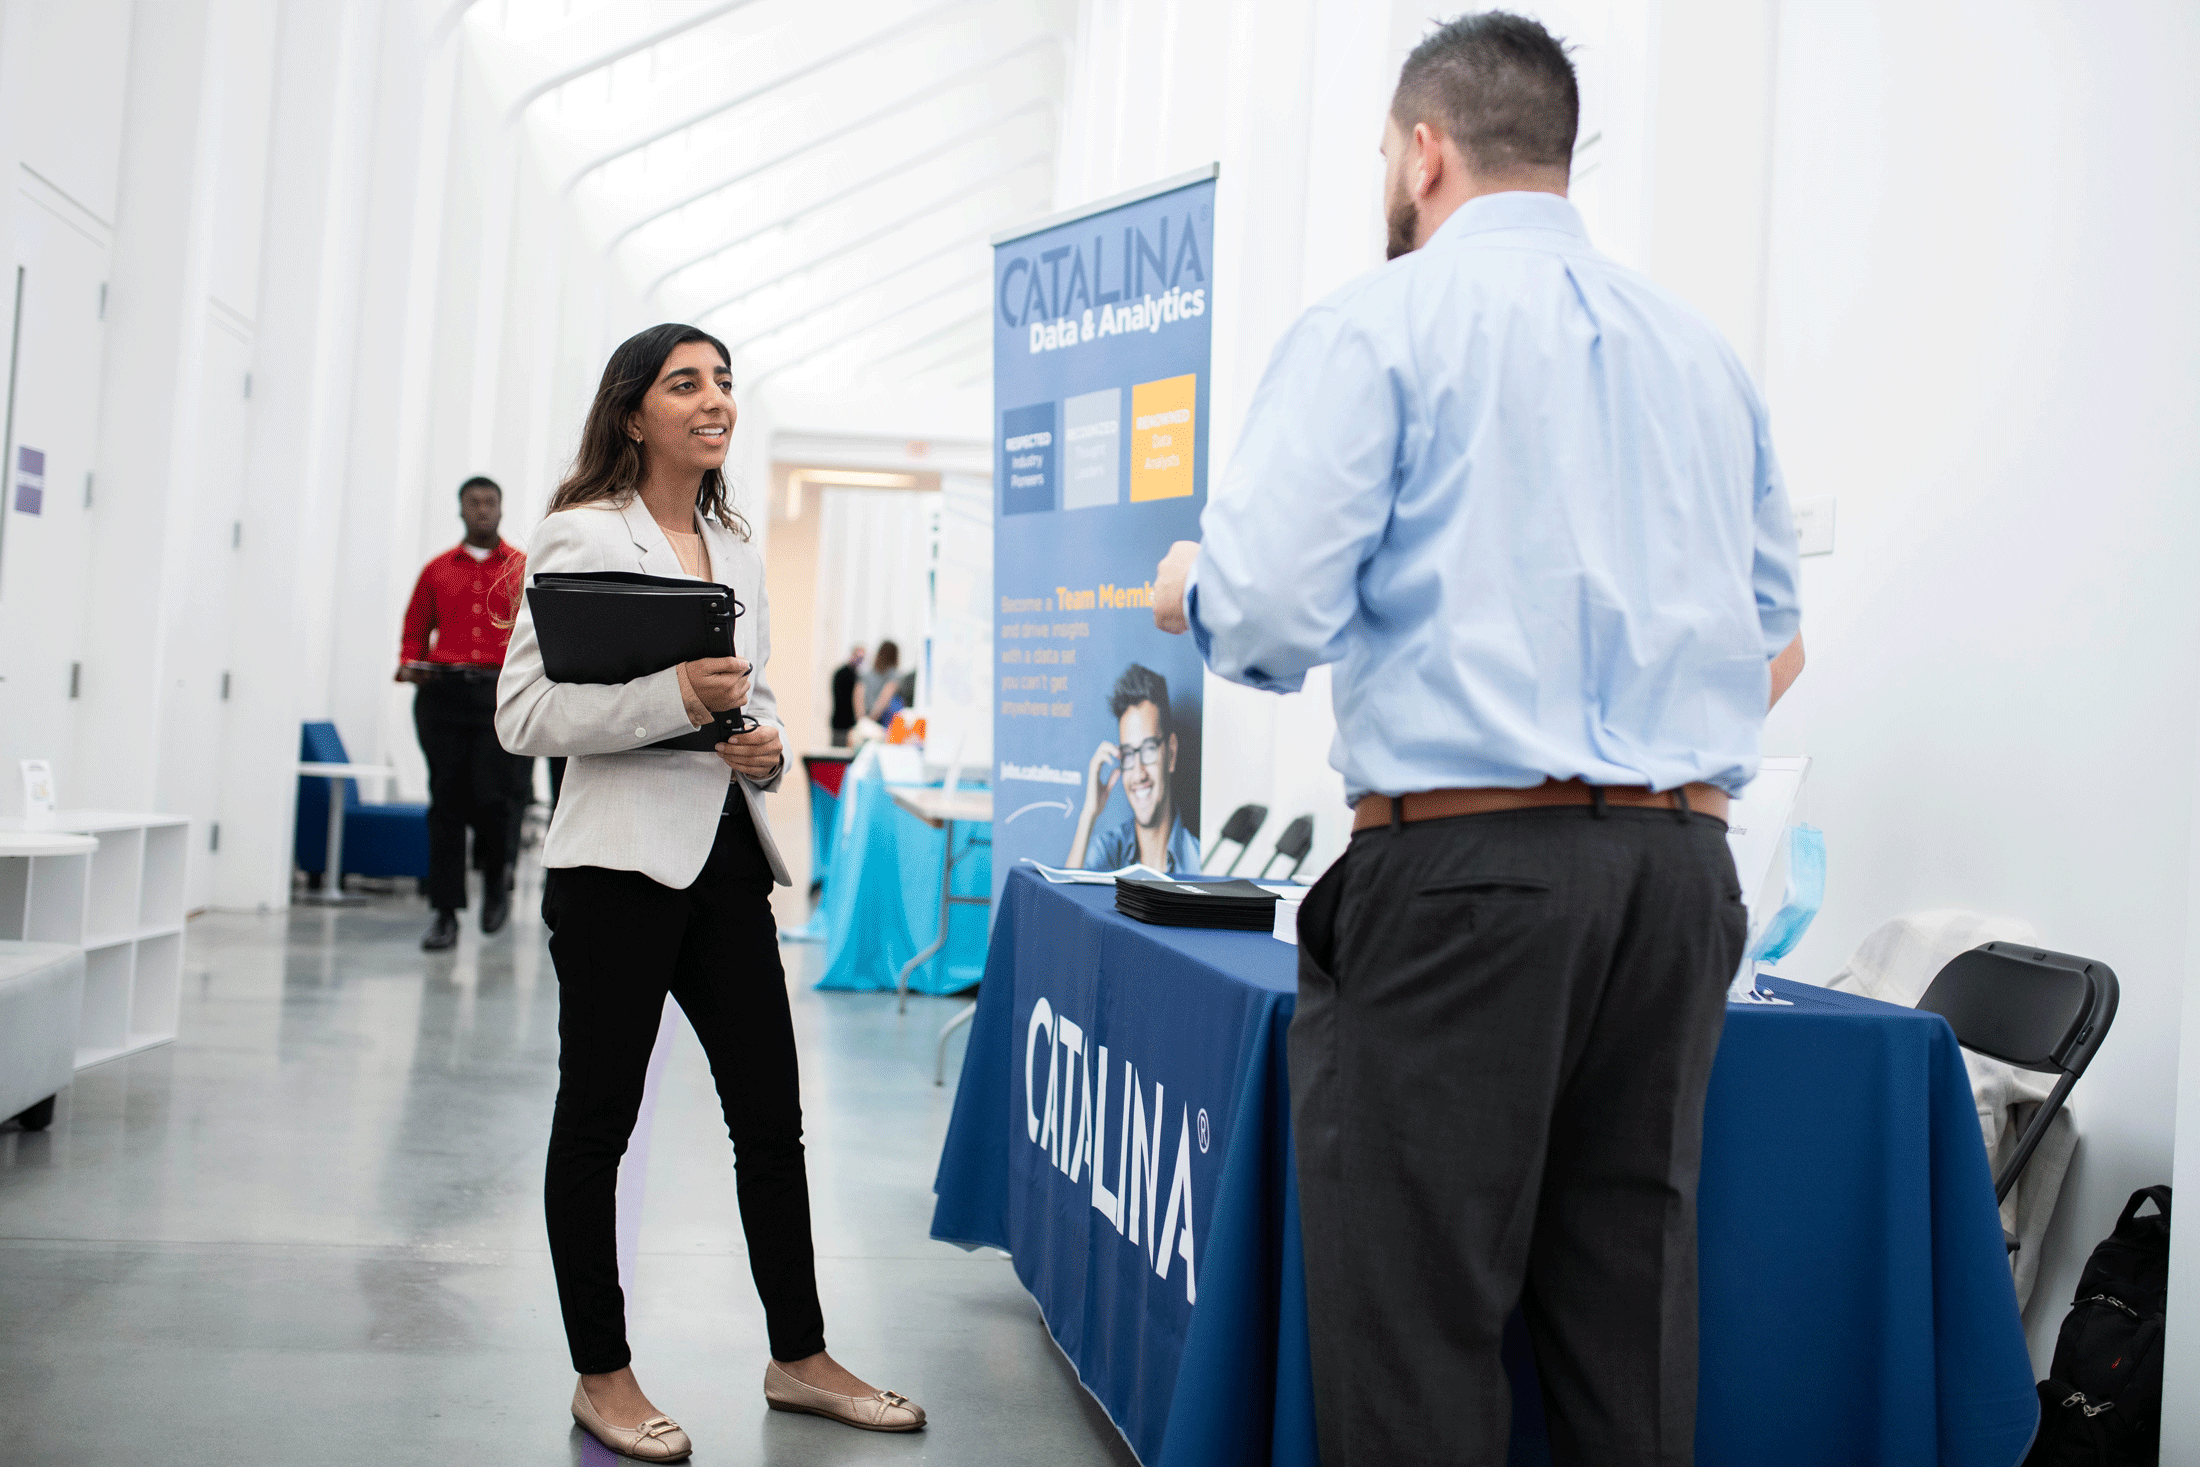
(1499, 86)
(482, 481)
(1137, 685)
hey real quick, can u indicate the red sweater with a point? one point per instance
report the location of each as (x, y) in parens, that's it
(458, 602)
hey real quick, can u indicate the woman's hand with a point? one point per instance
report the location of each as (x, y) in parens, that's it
(755, 755)
(721, 682)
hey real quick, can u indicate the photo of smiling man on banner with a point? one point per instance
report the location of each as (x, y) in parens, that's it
(1142, 759)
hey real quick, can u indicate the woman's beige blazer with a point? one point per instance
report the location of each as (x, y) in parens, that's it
(626, 806)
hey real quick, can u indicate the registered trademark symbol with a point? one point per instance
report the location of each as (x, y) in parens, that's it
(1203, 1132)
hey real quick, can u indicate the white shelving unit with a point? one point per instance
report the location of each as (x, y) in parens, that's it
(122, 904)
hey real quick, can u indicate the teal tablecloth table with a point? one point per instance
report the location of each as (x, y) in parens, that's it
(882, 895)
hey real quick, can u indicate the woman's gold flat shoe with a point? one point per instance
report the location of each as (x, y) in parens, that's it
(658, 1439)
(882, 1411)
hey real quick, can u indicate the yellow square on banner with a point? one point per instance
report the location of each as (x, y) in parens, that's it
(1161, 437)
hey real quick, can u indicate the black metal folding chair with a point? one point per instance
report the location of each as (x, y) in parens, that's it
(1244, 823)
(2037, 1010)
(1297, 839)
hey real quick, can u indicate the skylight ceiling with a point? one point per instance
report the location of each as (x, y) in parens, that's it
(815, 183)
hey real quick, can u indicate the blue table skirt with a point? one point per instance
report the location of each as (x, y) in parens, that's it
(1856, 1301)
(882, 896)
(824, 829)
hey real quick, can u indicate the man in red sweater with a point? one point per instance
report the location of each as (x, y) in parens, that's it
(455, 629)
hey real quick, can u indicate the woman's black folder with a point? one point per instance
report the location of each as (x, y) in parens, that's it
(616, 626)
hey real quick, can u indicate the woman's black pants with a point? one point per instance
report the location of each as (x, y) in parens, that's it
(621, 942)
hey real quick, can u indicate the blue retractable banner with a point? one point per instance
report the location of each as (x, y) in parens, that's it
(1100, 380)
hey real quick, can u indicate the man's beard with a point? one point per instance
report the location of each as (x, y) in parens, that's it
(1404, 219)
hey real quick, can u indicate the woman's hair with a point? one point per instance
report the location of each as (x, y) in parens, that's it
(609, 465)
(888, 658)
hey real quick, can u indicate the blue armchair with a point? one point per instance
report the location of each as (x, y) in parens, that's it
(379, 840)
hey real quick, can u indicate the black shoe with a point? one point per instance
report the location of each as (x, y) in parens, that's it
(496, 909)
(443, 935)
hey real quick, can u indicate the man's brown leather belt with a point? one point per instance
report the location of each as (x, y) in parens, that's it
(1375, 810)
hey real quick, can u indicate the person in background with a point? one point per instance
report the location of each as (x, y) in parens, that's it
(1526, 502)
(881, 682)
(846, 679)
(456, 627)
(1143, 756)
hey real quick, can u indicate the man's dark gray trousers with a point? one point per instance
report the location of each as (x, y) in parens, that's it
(1504, 1033)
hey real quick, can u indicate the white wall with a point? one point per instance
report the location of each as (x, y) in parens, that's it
(1980, 325)
(122, 167)
(57, 214)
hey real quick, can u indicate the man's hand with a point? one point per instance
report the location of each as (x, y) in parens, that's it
(1169, 612)
(721, 682)
(1099, 785)
(755, 755)
(411, 675)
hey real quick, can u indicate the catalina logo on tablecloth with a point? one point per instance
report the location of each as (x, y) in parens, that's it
(1072, 1127)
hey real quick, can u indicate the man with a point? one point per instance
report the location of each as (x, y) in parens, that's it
(846, 679)
(455, 629)
(1526, 501)
(1144, 759)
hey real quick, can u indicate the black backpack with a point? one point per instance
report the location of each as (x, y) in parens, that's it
(2101, 1404)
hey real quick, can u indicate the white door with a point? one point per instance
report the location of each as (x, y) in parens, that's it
(56, 342)
(195, 712)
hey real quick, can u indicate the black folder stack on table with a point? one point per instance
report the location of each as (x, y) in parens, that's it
(616, 626)
(1234, 905)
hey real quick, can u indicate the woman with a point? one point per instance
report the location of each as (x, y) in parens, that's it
(881, 682)
(659, 873)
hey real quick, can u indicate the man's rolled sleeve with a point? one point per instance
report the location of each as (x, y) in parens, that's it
(1303, 504)
(1776, 572)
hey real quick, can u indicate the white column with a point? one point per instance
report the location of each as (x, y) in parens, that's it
(304, 374)
(409, 486)
(384, 493)
(151, 391)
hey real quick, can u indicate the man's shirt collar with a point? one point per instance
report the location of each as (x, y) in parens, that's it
(1524, 209)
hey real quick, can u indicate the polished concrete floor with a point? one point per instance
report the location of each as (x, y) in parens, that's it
(310, 1230)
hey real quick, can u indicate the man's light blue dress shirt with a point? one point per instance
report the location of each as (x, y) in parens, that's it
(1526, 501)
